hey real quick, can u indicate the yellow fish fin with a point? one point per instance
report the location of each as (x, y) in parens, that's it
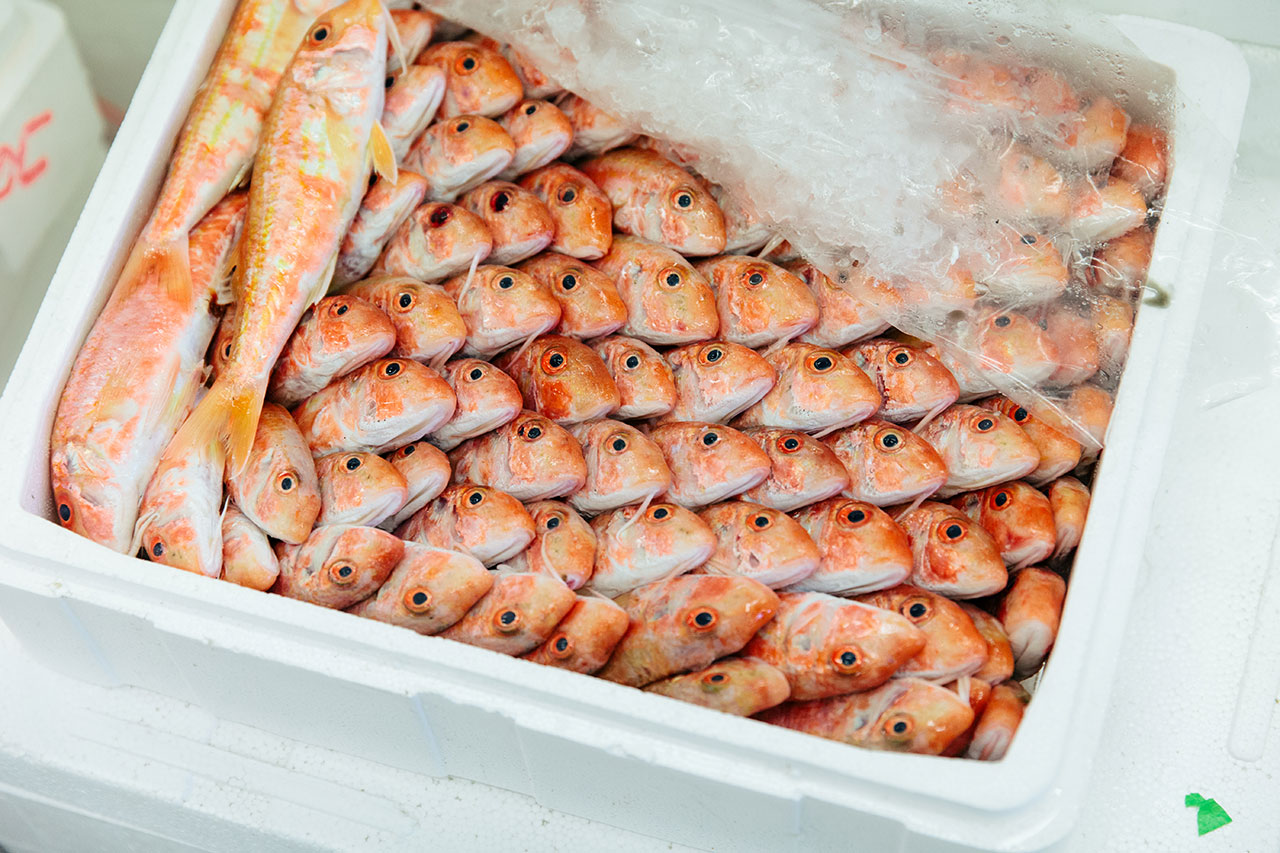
(393, 37)
(166, 263)
(225, 420)
(384, 159)
(322, 284)
(224, 289)
(242, 177)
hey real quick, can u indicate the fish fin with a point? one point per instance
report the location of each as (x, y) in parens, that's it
(226, 421)
(322, 284)
(393, 37)
(471, 274)
(242, 177)
(224, 286)
(168, 263)
(384, 158)
(139, 530)
(774, 242)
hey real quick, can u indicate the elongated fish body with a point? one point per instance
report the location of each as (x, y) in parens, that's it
(426, 473)
(803, 470)
(382, 211)
(428, 326)
(338, 565)
(337, 335)
(428, 590)
(488, 524)
(742, 686)
(860, 548)
(438, 240)
(247, 558)
(487, 399)
(516, 615)
(359, 488)
(584, 639)
(278, 489)
(529, 458)
(563, 543)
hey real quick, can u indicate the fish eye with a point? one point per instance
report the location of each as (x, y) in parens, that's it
(632, 362)
(569, 281)
(506, 282)
(1029, 239)
(984, 424)
(755, 279)
(789, 444)
(530, 109)
(682, 198)
(466, 63)
(567, 194)
(417, 600)
(658, 513)
(916, 609)
(561, 646)
(951, 531)
(342, 309)
(762, 522)
(389, 82)
(1001, 499)
(409, 451)
(507, 621)
(855, 515)
(901, 357)
(405, 300)
(530, 432)
(702, 619)
(286, 481)
(889, 439)
(390, 369)
(1003, 320)
(618, 443)
(475, 497)
(319, 33)
(710, 438)
(711, 354)
(342, 573)
(157, 549)
(64, 512)
(440, 215)
(553, 361)
(354, 462)
(553, 522)
(820, 362)
(500, 201)
(226, 350)
(671, 277)
(462, 126)
(899, 727)
(1019, 414)
(713, 680)
(847, 660)
(475, 374)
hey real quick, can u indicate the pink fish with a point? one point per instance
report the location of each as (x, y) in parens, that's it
(247, 558)
(338, 565)
(1083, 415)
(1073, 339)
(541, 134)
(590, 306)
(179, 519)
(685, 623)
(740, 686)
(1018, 517)
(438, 240)
(845, 314)
(584, 639)
(359, 488)
(487, 399)
(1090, 139)
(953, 556)
(562, 543)
(1112, 328)
(912, 383)
(413, 97)
(501, 306)
(278, 489)
(414, 30)
(887, 464)
(817, 389)
(580, 209)
(536, 84)
(645, 383)
(758, 303)
(337, 335)
(480, 80)
(1119, 266)
(953, 646)
(668, 302)
(529, 458)
(517, 615)
(1059, 453)
(999, 665)
(1144, 160)
(1020, 268)
(717, 380)
(1007, 346)
(382, 211)
(1102, 213)
(637, 546)
(426, 472)
(428, 590)
(980, 447)
(760, 543)
(517, 219)
(709, 462)
(623, 467)
(594, 130)
(427, 323)
(563, 379)
(457, 154)
(999, 722)
(487, 524)
(803, 470)
(1030, 190)
(1069, 499)
(860, 548)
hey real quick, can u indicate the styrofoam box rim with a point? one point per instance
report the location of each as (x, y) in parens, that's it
(944, 797)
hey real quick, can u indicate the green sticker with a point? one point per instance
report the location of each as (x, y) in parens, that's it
(1210, 816)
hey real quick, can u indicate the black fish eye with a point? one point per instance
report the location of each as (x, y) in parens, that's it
(902, 358)
(469, 63)
(507, 617)
(286, 484)
(1003, 321)
(393, 368)
(899, 727)
(500, 201)
(822, 363)
(226, 351)
(462, 126)
(353, 463)
(703, 618)
(1029, 239)
(673, 279)
(64, 512)
(710, 439)
(475, 373)
(1020, 414)
(791, 443)
(569, 282)
(986, 424)
(405, 300)
(1001, 499)
(661, 513)
(419, 598)
(717, 678)
(158, 549)
(917, 610)
(848, 659)
(534, 432)
(556, 360)
(439, 216)
(619, 444)
(531, 109)
(562, 643)
(320, 34)
(553, 522)
(856, 515)
(389, 81)
(568, 195)
(506, 282)
(632, 362)
(715, 354)
(344, 572)
(761, 521)
(684, 200)
(954, 531)
(475, 498)
(408, 451)
(342, 309)
(755, 278)
(889, 440)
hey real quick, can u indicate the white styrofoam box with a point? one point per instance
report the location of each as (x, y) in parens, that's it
(578, 744)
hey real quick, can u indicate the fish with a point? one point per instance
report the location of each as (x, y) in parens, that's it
(1102, 213)
(501, 306)
(1059, 453)
(247, 558)
(744, 231)
(437, 241)
(1074, 341)
(220, 350)
(562, 378)
(817, 389)
(1069, 500)
(754, 541)
(520, 224)
(887, 464)
(563, 543)
(1091, 138)
(999, 722)
(516, 615)
(1144, 160)
(536, 84)
(318, 141)
(827, 646)
(709, 462)
(844, 314)
(457, 154)
(581, 211)
(1029, 190)
(717, 380)
(1017, 516)
(414, 30)
(480, 81)
(278, 488)
(180, 517)
(741, 686)
(669, 303)
(953, 646)
(623, 467)
(860, 548)
(414, 94)
(636, 546)
(685, 623)
(530, 458)
(590, 306)
(1112, 328)
(903, 715)
(1119, 266)
(428, 590)
(803, 470)
(584, 639)
(427, 324)
(999, 664)
(338, 565)
(980, 447)
(953, 556)
(594, 130)
(118, 412)
(978, 693)
(1020, 269)
(759, 303)
(426, 472)
(337, 335)
(913, 385)
(541, 134)
(359, 488)
(646, 386)
(487, 399)
(1004, 347)
(490, 525)
(655, 199)
(382, 406)
(1083, 414)
(382, 211)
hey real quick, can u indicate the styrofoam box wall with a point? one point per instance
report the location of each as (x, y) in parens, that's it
(578, 744)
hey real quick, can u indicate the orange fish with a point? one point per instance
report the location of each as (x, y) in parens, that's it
(999, 665)
(541, 134)
(860, 548)
(844, 316)
(1144, 160)
(563, 379)
(179, 521)
(590, 306)
(717, 380)
(427, 323)
(637, 546)
(1069, 499)
(709, 462)
(337, 335)
(438, 240)
(744, 231)
(529, 458)
(594, 130)
(487, 399)
(580, 209)
(1030, 612)
(887, 464)
(338, 565)
(803, 470)
(1102, 213)
(953, 645)
(685, 623)
(517, 219)
(359, 488)
(562, 543)
(382, 211)
(1074, 341)
(457, 154)
(623, 467)
(428, 590)
(414, 30)
(953, 556)
(480, 81)
(487, 524)
(517, 615)
(1059, 453)
(247, 558)
(1119, 266)
(501, 306)
(278, 488)
(1006, 346)
(1029, 190)
(536, 83)
(817, 389)
(980, 447)
(1018, 517)
(760, 543)
(426, 472)
(1020, 268)
(913, 384)
(1112, 327)
(1083, 415)
(584, 639)
(668, 302)
(740, 686)
(758, 303)
(1091, 138)
(645, 383)
(414, 94)
(978, 694)
(999, 722)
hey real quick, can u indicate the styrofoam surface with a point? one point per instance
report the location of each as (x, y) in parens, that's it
(439, 708)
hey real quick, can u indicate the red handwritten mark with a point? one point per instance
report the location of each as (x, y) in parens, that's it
(13, 163)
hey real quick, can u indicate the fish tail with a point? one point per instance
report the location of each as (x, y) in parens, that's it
(167, 263)
(225, 420)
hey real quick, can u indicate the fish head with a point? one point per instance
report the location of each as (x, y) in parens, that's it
(425, 319)
(912, 382)
(800, 464)
(461, 151)
(663, 533)
(1020, 520)
(449, 234)
(588, 634)
(508, 304)
(563, 543)
(688, 217)
(564, 379)
(759, 302)
(761, 542)
(645, 383)
(481, 387)
(589, 303)
(708, 461)
(355, 558)
(719, 609)
(621, 461)
(520, 223)
(345, 324)
(973, 438)
(88, 499)
(424, 467)
(954, 555)
(740, 685)
(491, 525)
(542, 453)
(718, 379)
(917, 716)
(861, 545)
(182, 540)
(581, 210)
(480, 80)
(1020, 267)
(953, 645)
(359, 479)
(280, 489)
(1009, 343)
(539, 130)
(524, 604)
(887, 464)
(344, 47)
(1030, 188)
(403, 396)
(670, 302)
(822, 380)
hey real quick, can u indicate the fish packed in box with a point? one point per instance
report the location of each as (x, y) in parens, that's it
(572, 401)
